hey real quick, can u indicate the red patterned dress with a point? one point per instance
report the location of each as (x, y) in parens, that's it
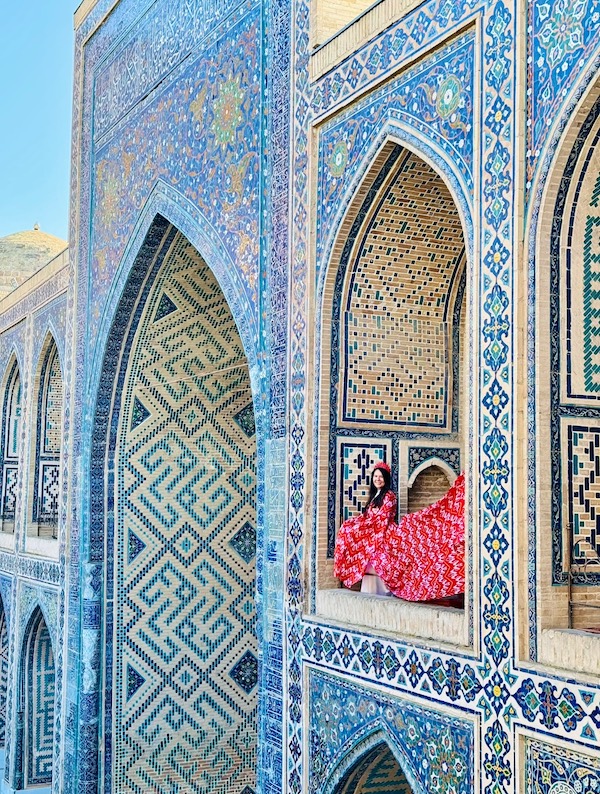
(361, 539)
(423, 557)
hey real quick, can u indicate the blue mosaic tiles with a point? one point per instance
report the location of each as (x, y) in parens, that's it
(433, 747)
(561, 43)
(152, 111)
(184, 601)
(434, 99)
(40, 707)
(210, 117)
(419, 455)
(559, 770)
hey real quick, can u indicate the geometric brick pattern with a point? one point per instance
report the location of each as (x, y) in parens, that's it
(11, 424)
(396, 313)
(185, 656)
(53, 403)
(49, 436)
(584, 495)
(39, 739)
(9, 490)
(4, 648)
(381, 775)
(48, 504)
(591, 302)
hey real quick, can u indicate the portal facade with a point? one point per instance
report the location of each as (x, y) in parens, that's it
(304, 241)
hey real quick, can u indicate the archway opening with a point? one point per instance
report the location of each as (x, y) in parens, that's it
(397, 386)
(47, 441)
(10, 441)
(182, 659)
(35, 749)
(377, 772)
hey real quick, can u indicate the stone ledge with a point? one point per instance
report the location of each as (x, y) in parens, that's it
(444, 625)
(373, 21)
(571, 650)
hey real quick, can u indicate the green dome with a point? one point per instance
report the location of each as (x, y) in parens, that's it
(24, 253)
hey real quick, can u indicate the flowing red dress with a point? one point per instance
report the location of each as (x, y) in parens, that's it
(361, 540)
(422, 558)
(424, 555)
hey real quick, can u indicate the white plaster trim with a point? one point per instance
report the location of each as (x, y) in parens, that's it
(442, 625)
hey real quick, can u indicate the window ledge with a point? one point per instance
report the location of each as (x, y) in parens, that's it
(569, 649)
(42, 547)
(444, 625)
(7, 540)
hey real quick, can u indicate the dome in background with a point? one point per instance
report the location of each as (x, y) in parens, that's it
(23, 254)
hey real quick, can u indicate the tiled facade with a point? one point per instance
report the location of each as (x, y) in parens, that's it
(287, 263)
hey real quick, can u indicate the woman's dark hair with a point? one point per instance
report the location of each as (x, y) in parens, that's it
(376, 499)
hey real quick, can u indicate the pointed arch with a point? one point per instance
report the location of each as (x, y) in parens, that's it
(48, 397)
(10, 442)
(564, 403)
(376, 763)
(392, 321)
(151, 303)
(36, 696)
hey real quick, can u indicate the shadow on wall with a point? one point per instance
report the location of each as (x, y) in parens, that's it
(377, 772)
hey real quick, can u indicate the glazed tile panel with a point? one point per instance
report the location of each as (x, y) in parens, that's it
(562, 39)
(434, 100)
(140, 62)
(185, 662)
(556, 770)
(200, 133)
(437, 749)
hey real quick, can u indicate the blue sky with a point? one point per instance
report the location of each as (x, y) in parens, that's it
(36, 81)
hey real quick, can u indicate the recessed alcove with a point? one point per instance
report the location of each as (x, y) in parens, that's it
(393, 376)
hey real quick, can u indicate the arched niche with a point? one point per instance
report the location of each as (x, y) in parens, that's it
(564, 447)
(393, 349)
(427, 485)
(44, 473)
(10, 443)
(173, 496)
(36, 702)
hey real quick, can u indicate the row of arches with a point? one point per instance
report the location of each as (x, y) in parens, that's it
(44, 461)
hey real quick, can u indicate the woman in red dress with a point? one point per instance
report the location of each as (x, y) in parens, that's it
(420, 558)
(362, 538)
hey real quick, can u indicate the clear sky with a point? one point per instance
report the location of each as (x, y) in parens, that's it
(36, 86)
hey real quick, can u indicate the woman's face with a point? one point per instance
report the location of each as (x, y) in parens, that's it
(378, 480)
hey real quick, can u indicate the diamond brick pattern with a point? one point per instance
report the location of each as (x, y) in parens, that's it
(185, 596)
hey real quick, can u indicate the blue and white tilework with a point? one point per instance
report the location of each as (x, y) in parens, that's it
(200, 121)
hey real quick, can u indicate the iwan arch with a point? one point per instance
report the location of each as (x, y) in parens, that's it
(298, 247)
